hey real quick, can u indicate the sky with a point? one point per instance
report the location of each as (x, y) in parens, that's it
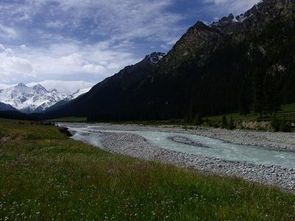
(78, 43)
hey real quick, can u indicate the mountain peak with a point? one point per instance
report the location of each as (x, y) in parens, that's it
(200, 24)
(39, 87)
(21, 85)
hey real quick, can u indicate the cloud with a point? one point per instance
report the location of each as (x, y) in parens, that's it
(4, 86)
(90, 39)
(80, 40)
(232, 6)
(13, 66)
(68, 87)
(120, 19)
(7, 32)
(25, 63)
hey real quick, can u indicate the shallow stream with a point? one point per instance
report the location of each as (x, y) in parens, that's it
(194, 144)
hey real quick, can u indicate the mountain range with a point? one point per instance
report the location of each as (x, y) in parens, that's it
(239, 63)
(6, 107)
(33, 99)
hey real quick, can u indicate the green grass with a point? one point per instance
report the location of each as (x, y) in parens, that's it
(287, 112)
(288, 108)
(46, 176)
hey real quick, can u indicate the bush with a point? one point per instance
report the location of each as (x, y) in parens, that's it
(231, 125)
(275, 124)
(281, 125)
(224, 123)
(198, 120)
(285, 126)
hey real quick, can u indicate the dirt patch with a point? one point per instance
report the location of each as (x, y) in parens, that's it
(8, 139)
(255, 125)
(65, 131)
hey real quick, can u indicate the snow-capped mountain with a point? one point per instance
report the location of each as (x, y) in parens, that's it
(66, 87)
(30, 99)
(78, 93)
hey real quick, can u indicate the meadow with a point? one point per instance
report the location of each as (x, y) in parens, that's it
(44, 175)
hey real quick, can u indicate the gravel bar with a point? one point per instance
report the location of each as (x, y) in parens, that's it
(138, 147)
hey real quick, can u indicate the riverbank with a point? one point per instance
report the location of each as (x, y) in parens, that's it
(44, 175)
(270, 140)
(138, 147)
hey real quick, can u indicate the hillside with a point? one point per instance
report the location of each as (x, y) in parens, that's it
(6, 107)
(109, 94)
(237, 64)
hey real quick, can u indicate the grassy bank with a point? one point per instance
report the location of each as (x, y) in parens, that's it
(46, 176)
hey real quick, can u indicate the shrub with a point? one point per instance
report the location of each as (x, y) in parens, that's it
(275, 124)
(231, 125)
(198, 120)
(281, 125)
(285, 126)
(224, 123)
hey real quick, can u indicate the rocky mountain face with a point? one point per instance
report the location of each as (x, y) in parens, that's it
(235, 64)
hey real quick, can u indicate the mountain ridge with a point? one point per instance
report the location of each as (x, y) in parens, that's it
(33, 99)
(6, 107)
(235, 64)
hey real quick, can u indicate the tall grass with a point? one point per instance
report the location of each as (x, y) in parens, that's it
(46, 176)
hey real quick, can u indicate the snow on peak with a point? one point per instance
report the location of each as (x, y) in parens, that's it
(39, 87)
(78, 93)
(35, 98)
(21, 85)
(30, 99)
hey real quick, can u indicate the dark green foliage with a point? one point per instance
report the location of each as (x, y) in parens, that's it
(275, 123)
(224, 122)
(231, 124)
(17, 115)
(285, 126)
(244, 107)
(198, 120)
(281, 125)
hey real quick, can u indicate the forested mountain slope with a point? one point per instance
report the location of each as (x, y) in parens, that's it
(235, 64)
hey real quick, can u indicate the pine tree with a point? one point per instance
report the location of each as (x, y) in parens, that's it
(272, 101)
(243, 104)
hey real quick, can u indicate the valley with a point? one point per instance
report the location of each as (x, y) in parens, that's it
(147, 110)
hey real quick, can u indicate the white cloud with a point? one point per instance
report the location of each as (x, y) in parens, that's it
(7, 32)
(68, 87)
(12, 66)
(72, 39)
(233, 6)
(61, 60)
(4, 86)
(55, 24)
(122, 19)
